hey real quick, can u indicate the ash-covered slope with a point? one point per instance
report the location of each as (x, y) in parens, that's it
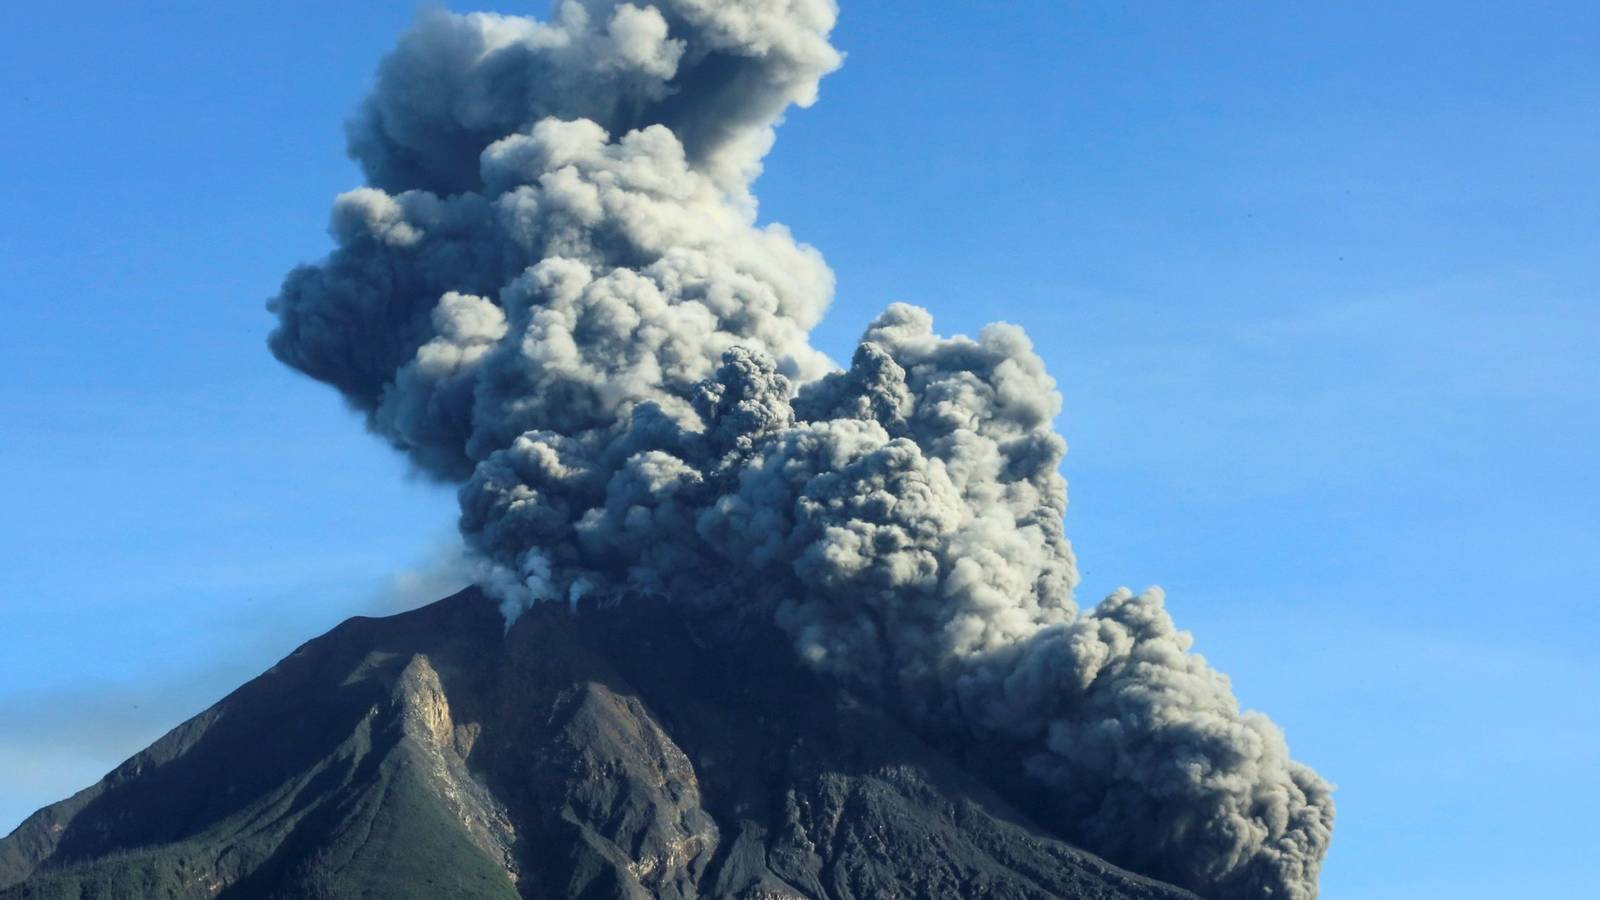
(602, 754)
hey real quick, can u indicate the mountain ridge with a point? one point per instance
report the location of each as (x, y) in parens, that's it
(594, 753)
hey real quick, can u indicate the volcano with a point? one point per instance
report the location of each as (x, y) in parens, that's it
(596, 752)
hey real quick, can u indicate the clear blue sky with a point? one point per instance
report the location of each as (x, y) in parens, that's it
(1320, 283)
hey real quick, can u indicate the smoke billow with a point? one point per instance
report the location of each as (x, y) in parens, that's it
(553, 292)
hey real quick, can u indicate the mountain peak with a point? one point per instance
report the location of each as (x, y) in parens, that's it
(598, 753)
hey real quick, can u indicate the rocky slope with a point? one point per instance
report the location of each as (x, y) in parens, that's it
(596, 755)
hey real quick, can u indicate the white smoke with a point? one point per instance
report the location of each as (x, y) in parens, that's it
(554, 292)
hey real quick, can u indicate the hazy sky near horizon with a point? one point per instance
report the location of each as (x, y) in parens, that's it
(1320, 284)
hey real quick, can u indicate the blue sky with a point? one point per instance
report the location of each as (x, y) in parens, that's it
(1320, 284)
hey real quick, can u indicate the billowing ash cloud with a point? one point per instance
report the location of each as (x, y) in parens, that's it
(554, 292)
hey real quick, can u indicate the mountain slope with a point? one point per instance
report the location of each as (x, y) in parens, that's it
(597, 755)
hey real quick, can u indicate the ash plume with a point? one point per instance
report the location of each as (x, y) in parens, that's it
(553, 292)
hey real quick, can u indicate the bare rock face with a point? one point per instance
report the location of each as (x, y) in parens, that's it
(602, 754)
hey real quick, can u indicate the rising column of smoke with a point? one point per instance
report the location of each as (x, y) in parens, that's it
(553, 291)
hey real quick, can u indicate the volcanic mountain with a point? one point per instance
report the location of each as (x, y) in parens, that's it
(598, 753)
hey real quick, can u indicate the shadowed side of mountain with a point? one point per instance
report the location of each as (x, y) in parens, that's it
(600, 755)
(307, 781)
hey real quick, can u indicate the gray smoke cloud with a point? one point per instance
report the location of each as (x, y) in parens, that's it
(553, 291)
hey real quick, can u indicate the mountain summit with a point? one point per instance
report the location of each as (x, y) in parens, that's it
(596, 753)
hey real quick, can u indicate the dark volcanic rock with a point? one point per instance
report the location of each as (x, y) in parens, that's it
(597, 755)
